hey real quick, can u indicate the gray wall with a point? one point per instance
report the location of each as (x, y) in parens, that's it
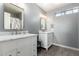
(1, 18)
(66, 27)
(32, 18)
(78, 28)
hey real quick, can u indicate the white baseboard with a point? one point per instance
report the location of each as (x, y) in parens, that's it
(72, 48)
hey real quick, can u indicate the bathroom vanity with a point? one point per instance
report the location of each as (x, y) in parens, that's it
(18, 45)
(46, 38)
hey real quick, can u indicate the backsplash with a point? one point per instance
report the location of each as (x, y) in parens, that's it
(5, 33)
(13, 32)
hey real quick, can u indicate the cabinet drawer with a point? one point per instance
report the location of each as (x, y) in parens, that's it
(34, 52)
(34, 40)
(34, 45)
(34, 49)
(7, 46)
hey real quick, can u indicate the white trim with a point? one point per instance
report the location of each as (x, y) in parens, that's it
(72, 48)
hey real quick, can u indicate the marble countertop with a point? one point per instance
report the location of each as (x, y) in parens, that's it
(11, 37)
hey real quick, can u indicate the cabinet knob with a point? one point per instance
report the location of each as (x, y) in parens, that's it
(10, 55)
(33, 49)
(33, 44)
(18, 52)
(34, 55)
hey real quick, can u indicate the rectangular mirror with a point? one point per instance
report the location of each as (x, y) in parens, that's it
(13, 17)
(43, 24)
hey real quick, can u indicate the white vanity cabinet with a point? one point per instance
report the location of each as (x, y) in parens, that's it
(46, 38)
(25, 46)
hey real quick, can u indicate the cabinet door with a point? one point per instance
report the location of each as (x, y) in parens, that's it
(27, 46)
(43, 39)
(7, 47)
(50, 39)
(24, 47)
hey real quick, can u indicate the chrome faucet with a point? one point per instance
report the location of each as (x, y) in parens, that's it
(14, 32)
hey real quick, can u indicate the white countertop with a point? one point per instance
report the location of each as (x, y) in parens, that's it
(11, 37)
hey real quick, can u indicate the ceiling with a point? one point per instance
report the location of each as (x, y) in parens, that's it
(50, 6)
